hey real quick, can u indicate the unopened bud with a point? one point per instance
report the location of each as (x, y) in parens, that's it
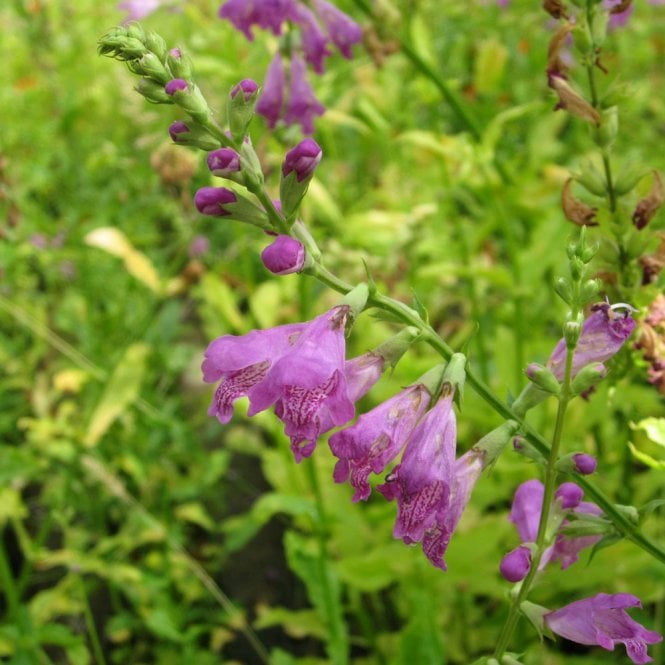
(564, 290)
(494, 442)
(192, 134)
(543, 378)
(175, 85)
(591, 180)
(455, 375)
(152, 91)
(241, 103)
(575, 210)
(284, 256)
(589, 291)
(584, 464)
(587, 377)
(213, 201)
(571, 333)
(515, 565)
(155, 44)
(522, 447)
(179, 63)
(224, 163)
(151, 66)
(606, 134)
(649, 205)
(297, 171)
(570, 495)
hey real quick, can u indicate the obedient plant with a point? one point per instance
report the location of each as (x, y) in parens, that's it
(302, 372)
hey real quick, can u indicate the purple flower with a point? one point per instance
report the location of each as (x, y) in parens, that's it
(247, 87)
(285, 255)
(422, 482)
(584, 464)
(619, 19)
(211, 201)
(603, 334)
(314, 42)
(267, 14)
(241, 362)
(137, 9)
(515, 565)
(377, 438)
(303, 159)
(175, 85)
(342, 30)
(525, 515)
(603, 620)
(223, 162)
(307, 385)
(302, 105)
(272, 98)
(198, 247)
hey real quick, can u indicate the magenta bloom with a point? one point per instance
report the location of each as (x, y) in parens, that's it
(285, 255)
(303, 159)
(272, 98)
(241, 362)
(307, 384)
(314, 42)
(267, 14)
(603, 334)
(343, 31)
(377, 438)
(302, 105)
(603, 620)
(422, 483)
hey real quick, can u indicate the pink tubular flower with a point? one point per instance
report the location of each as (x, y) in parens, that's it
(241, 362)
(267, 14)
(603, 620)
(302, 105)
(377, 438)
(271, 100)
(343, 31)
(307, 384)
(284, 256)
(422, 482)
(603, 334)
(314, 42)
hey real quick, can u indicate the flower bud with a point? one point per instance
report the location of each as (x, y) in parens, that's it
(297, 171)
(515, 565)
(212, 201)
(153, 91)
(522, 447)
(454, 375)
(571, 333)
(155, 44)
(585, 464)
(224, 162)
(240, 106)
(175, 85)
(285, 255)
(247, 88)
(564, 290)
(494, 442)
(570, 495)
(192, 134)
(543, 378)
(179, 64)
(151, 66)
(588, 377)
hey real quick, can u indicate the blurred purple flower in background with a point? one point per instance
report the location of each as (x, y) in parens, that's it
(320, 27)
(138, 9)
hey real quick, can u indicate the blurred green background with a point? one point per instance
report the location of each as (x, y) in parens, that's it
(134, 528)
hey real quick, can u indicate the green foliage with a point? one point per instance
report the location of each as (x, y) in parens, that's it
(135, 529)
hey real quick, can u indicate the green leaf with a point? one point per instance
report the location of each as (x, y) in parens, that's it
(121, 390)
(323, 589)
(654, 428)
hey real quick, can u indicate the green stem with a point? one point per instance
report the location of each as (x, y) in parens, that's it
(9, 588)
(91, 626)
(548, 496)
